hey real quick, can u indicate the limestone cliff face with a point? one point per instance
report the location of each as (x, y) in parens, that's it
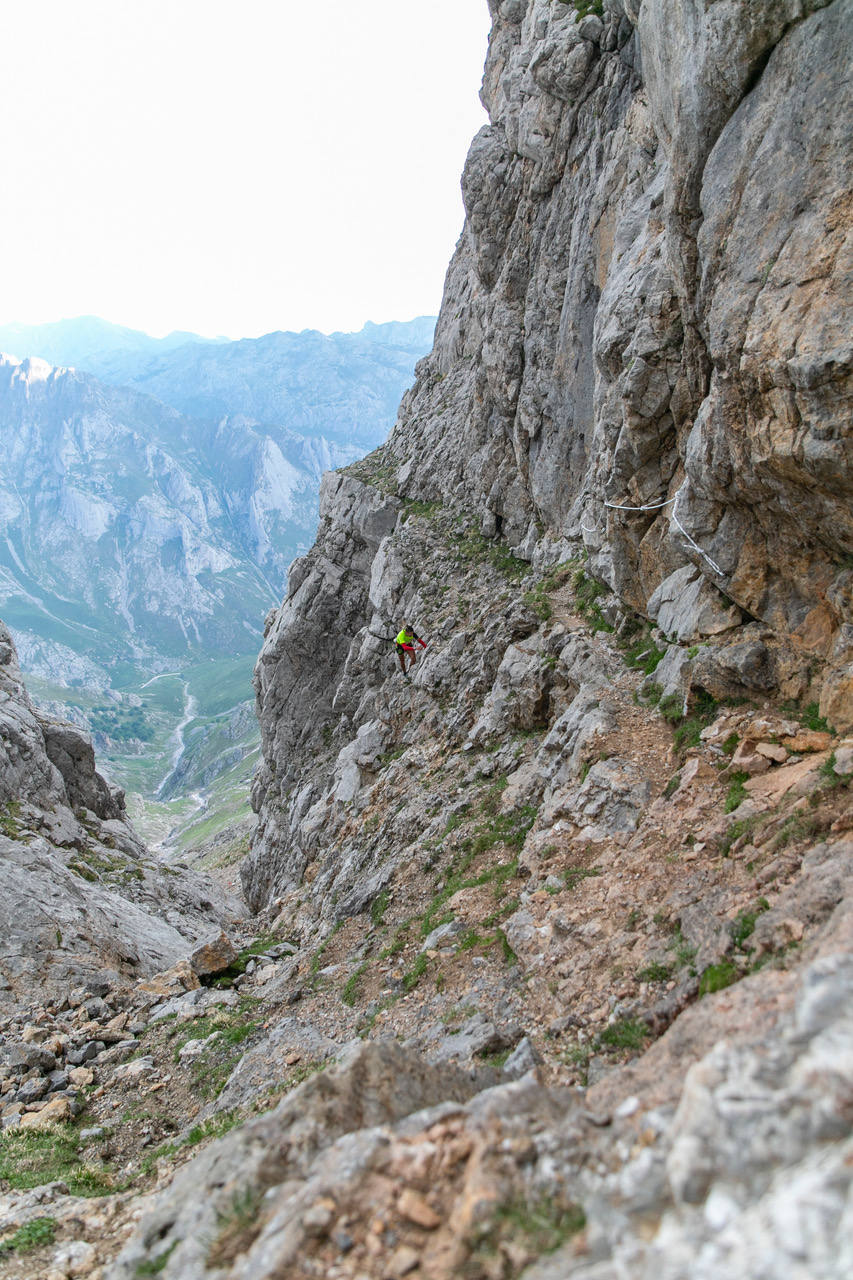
(647, 308)
(643, 359)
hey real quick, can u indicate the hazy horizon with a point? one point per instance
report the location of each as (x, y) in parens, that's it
(235, 172)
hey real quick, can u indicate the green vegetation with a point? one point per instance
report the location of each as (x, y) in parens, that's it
(214, 1127)
(257, 948)
(655, 972)
(350, 991)
(154, 1266)
(238, 1227)
(624, 1033)
(718, 976)
(740, 827)
(388, 757)
(378, 907)
(799, 826)
(10, 819)
(737, 791)
(538, 602)
(426, 510)
(377, 469)
(509, 829)
(496, 1059)
(472, 548)
(643, 654)
(688, 726)
(414, 975)
(587, 593)
(830, 775)
(317, 958)
(672, 786)
(685, 954)
(31, 1158)
(809, 716)
(121, 723)
(583, 7)
(400, 939)
(744, 923)
(225, 1029)
(33, 1234)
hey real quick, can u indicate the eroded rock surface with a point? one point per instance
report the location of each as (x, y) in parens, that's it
(80, 898)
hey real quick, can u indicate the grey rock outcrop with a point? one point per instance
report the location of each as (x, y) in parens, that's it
(79, 896)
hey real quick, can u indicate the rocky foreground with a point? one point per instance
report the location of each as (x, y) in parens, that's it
(550, 970)
(594, 1019)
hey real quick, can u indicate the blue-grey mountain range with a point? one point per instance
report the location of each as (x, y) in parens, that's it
(154, 491)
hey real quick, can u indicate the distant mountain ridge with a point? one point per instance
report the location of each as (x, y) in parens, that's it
(343, 386)
(89, 343)
(153, 508)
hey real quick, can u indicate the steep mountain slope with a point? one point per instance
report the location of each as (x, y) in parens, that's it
(116, 537)
(81, 899)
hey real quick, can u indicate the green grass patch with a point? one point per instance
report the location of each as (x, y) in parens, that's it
(718, 976)
(424, 510)
(830, 775)
(797, 827)
(744, 923)
(10, 819)
(400, 939)
(655, 972)
(378, 907)
(417, 971)
(809, 716)
(672, 786)
(737, 792)
(349, 995)
(583, 7)
(624, 1033)
(684, 952)
(32, 1158)
(317, 958)
(496, 1059)
(32, 1235)
(537, 601)
(214, 1127)
(740, 827)
(472, 549)
(587, 593)
(509, 956)
(643, 654)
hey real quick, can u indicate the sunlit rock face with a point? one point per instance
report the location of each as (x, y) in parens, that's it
(642, 361)
(646, 309)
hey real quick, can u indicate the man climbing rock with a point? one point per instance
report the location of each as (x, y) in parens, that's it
(405, 642)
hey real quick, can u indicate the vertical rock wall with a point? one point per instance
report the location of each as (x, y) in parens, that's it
(643, 357)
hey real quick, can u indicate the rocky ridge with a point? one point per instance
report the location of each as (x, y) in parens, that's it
(553, 970)
(81, 899)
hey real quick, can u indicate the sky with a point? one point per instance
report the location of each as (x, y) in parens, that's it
(232, 167)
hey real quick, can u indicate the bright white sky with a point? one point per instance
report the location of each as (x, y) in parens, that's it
(234, 166)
